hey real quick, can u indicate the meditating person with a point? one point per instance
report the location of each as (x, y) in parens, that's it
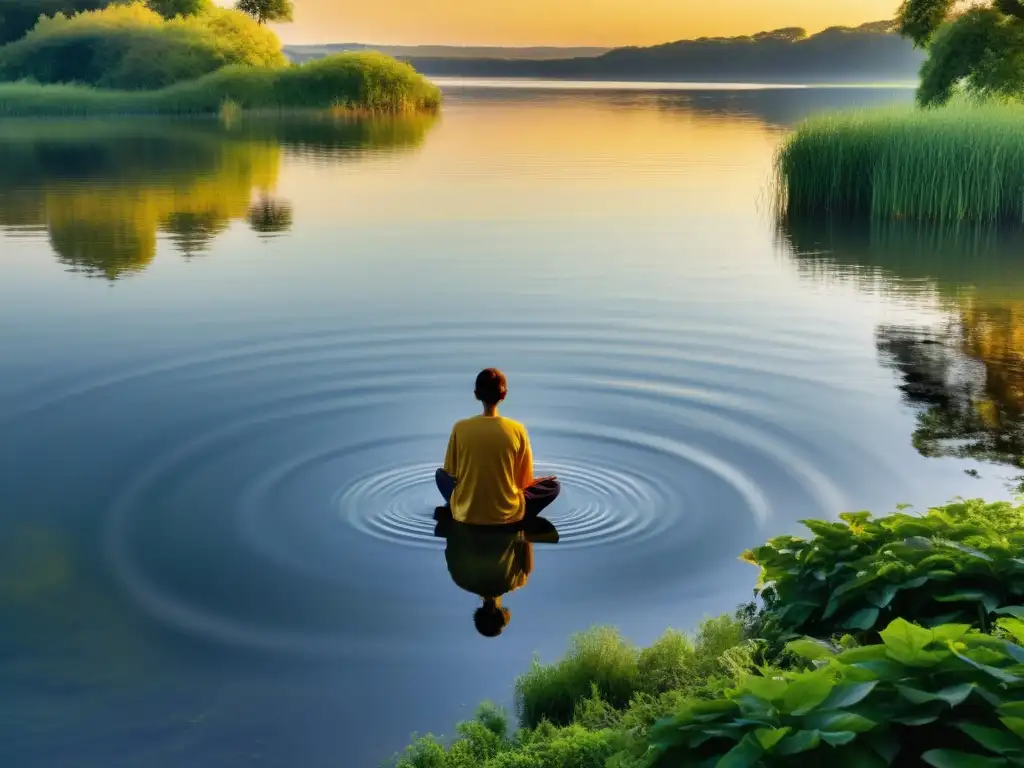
(487, 477)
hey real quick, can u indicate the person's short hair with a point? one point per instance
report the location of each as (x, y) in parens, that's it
(491, 386)
(491, 620)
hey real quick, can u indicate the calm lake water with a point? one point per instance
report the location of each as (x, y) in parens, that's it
(231, 356)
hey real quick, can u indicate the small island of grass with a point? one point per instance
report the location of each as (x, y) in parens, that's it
(128, 59)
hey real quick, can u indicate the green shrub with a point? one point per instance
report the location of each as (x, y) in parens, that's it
(948, 696)
(960, 563)
(602, 665)
(349, 81)
(964, 162)
(134, 48)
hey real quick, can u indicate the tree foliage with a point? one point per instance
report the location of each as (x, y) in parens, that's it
(17, 17)
(981, 47)
(171, 8)
(267, 10)
(133, 47)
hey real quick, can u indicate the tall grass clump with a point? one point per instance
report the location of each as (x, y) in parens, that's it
(601, 666)
(964, 162)
(348, 82)
(130, 47)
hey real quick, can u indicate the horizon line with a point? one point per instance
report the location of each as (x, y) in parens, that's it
(281, 29)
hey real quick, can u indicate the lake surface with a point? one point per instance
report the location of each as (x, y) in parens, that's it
(232, 355)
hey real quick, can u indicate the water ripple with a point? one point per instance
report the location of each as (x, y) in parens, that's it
(303, 468)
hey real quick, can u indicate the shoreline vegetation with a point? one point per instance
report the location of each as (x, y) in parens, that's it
(959, 163)
(128, 59)
(873, 642)
(356, 83)
(959, 159)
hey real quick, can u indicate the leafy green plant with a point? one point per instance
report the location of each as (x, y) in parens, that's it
(960, 563)
(947, 696)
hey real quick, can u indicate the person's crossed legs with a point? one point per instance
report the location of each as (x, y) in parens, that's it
(539, 495)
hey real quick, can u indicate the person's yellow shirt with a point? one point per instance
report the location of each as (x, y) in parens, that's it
(491, 461)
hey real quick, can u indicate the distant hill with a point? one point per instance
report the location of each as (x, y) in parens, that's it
(536, 53)
(872, 52)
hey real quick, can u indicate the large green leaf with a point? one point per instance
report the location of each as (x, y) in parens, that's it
(1015, 628)
(995, 672)
(839, 721)
(847, 694)
(862, 619)
(918, 718)
(811, 649)
(1017, 611)
(807, 691)
(769, 737)
(904, 641)
(766, 688)
(838, 738)
(949, 758)
(993, 739)
(950, 632)
(863, 653)
(1015, 724)
(953, 695)
(743, 755)
(987, 599)
(862, 580)
(799, 742)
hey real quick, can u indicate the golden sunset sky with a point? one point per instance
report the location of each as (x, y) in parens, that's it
(562, 22)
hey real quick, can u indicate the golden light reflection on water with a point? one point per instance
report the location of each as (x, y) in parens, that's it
(560, 156)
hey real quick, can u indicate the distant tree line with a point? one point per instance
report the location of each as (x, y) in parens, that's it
(871, 52)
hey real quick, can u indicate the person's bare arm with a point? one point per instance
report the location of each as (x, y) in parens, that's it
(524, 471)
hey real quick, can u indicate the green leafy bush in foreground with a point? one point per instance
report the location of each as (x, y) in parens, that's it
(348, 81)
(957, 564)
(949, 694)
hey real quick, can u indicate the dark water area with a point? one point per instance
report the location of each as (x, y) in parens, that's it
(232, 355)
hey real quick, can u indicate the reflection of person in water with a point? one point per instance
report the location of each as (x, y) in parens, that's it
(489, 562)
(492, 561)
(487, 477)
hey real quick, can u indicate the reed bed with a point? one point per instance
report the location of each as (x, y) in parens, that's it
(355, 82)
(964, 162)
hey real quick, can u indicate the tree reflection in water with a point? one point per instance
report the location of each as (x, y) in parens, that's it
(965, 374)
(105, 191)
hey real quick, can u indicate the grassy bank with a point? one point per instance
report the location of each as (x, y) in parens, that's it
(875, 642)
(354, 82)
(964, 162)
